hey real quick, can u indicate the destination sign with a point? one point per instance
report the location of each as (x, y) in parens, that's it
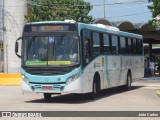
(49, 27)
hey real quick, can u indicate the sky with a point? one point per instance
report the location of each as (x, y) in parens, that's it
(135, 11)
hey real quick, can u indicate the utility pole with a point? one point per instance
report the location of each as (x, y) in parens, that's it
(104, 8)
(3, 29)
(5, 43)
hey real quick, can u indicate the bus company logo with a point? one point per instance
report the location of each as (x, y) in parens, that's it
(6, 114)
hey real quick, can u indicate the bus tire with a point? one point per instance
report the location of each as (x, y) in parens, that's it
(47, 96)
(95, 88)
(92, 95)
(129, 81)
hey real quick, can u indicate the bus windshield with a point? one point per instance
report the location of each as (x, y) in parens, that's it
(51, 50)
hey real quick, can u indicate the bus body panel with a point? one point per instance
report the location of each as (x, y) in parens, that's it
(114, 72)
(119, 66)
(89, 72)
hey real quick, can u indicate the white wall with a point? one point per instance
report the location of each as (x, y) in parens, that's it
(14, 11)
(1, 22)
(1, 35)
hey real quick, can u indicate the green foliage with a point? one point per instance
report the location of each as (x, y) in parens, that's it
(58, 10)
(155, 23)
(155, 9)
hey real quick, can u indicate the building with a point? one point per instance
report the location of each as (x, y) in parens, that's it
(1, 36)
(12, 14)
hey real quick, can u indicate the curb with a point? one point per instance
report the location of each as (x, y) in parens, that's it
(158, 92)
(10, 79)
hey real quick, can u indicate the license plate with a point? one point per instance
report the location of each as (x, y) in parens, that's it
(46, 87)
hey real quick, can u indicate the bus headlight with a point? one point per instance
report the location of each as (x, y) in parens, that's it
(73, 78)
(25, 79)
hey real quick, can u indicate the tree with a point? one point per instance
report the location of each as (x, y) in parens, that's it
(155, 9)
(49, 10)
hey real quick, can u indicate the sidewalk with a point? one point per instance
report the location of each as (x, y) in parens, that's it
(10, 79)
(153, 78)
(158, 92)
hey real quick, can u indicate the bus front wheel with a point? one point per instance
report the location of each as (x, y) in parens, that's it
(93, 94)
(129, 81)
(47, 96)
(95, 88)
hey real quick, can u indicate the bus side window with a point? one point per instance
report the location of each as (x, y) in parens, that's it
(86, 38)
(115, 46)
(96, 42)
(122, 45)
(139, 46)
(106, 43)
(129, 48)
(134, 47)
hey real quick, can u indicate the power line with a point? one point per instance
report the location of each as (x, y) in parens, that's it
(117, 3)
(129, 15)
(71, 5)
(123, 3)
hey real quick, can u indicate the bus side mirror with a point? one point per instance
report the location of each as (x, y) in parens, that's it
(17, 47)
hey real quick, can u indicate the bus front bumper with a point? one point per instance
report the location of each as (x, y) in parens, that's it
(74, 87)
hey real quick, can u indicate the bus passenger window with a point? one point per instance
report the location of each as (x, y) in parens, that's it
(134, 47)
(96, 42)
(129, 48)
(122, 45)
(86, 34)
(114, 45)
(106, 43)
(139, 46)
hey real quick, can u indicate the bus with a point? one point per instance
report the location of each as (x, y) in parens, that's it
(60, 57)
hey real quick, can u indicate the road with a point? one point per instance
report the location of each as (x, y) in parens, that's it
(142, 97)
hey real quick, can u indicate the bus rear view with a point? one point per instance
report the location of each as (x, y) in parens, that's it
(50, 58)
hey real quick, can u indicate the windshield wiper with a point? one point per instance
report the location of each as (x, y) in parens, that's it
(62, 36)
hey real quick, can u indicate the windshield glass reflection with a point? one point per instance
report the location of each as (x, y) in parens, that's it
(55, 50)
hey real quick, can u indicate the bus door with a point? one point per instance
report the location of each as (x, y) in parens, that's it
(97, 56)
(86, 60)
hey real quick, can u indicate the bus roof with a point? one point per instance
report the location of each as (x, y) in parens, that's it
(96, 27)
(110, 30)
(48, 22)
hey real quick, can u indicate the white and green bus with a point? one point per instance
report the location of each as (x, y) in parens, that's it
(68, 57)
